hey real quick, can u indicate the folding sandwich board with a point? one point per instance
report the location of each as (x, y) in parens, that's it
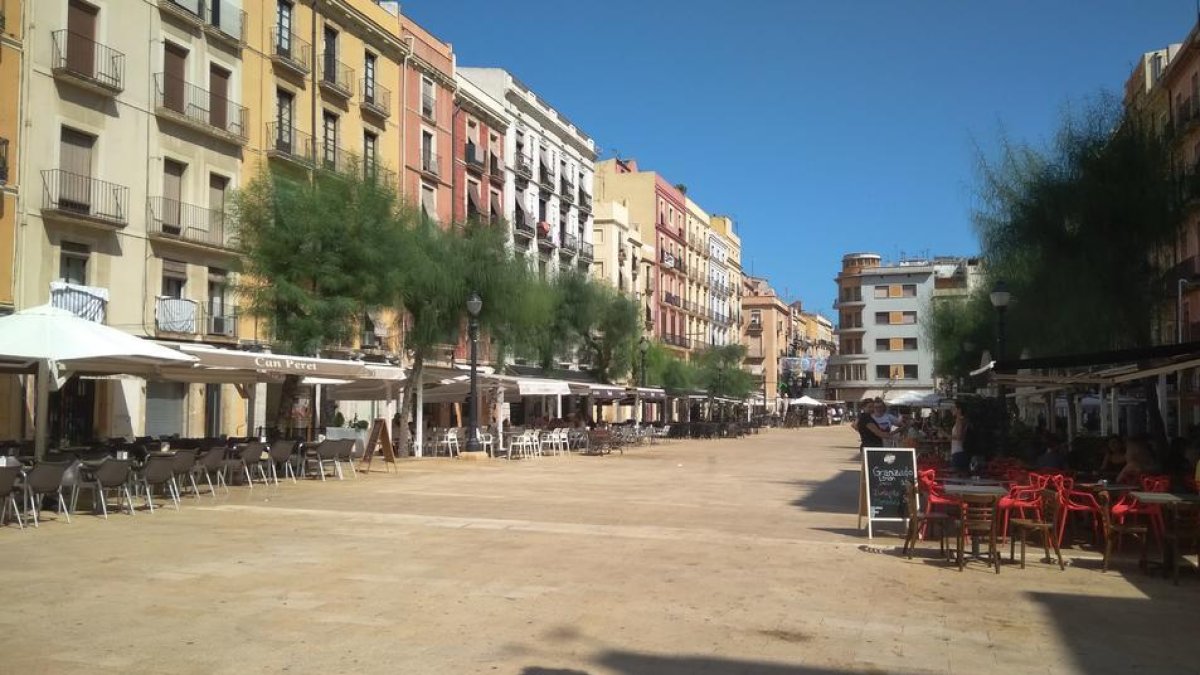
(887, 473)
(380, 438)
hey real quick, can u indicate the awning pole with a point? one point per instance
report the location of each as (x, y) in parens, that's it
(419, 402)
(42, 426)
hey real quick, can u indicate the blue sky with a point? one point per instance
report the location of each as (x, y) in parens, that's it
(821, 127)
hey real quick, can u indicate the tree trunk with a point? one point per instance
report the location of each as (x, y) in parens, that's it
(287, 398)
(1157, 426)
(410, 396)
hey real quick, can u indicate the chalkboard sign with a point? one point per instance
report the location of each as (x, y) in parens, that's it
(887, 473)
(380, 439)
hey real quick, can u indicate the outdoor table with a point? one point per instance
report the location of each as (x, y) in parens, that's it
(1104, 487)
(961, 489)
(976, 482)
(1169, 501)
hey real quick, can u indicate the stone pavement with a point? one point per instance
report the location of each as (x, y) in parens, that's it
(687, 557)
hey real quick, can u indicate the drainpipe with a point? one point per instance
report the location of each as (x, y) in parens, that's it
(454, 111)
(313, 88)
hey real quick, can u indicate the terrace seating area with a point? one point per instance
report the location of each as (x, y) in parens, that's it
(147, 474)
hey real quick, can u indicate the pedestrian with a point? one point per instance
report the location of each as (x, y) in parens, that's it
(958, 433)
(876, 427)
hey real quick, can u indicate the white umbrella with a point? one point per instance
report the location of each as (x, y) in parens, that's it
(807, 402)
(915, 399)
(59, 343)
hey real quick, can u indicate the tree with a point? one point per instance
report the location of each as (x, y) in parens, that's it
(314, 257)
(718, 370)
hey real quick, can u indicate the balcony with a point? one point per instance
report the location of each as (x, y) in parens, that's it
(289, 144)
(225, 22)
(475, 159)
(221, 320)
(545, 180)
(176, 316)
(189, 11)
(336, 79)
(428, 107)
(333, 157)
(567, 191)
(3, 161)
(668, 260)
(587, 251)
(84, 200)
(671, 299)
(291, 53)
(429, 163)
(376, 172)
(585, 201)
(187, 223)
(496, 168)
(523, 166)
(198, 109)
(522, 228)
(755, 327)
(545, 242)
(570, 245)
(376, 99)
(85, 302)
(87, 64)
(676, 341)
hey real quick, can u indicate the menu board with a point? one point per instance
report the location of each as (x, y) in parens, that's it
(887, 473)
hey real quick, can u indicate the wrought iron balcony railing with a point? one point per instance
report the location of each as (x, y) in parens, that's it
(291, 52)
(570, 243)
(336, 77)
(523, 166)
(288, 142)
(82, 60)
(71, 194)
(475, 157)
(199, 107)
(429, 163)
(586, 251)
(376, 98)
(188, 222)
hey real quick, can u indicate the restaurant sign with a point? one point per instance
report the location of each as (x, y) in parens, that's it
(887, 473)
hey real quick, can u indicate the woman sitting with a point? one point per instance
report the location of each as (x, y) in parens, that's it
(1138, 461)
(1114, 456)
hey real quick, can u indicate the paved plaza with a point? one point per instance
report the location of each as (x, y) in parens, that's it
(736, 556)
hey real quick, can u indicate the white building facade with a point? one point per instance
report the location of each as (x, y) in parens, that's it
(720, 282)
(550, 165)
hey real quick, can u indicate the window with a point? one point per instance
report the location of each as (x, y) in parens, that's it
(370, 154)
(283, 121)
(369, 77)
(429, 200)
(217, 186)
(882, 318)
(174, 77)
(542, 210)
(73, 262)
(910, 344)
(331, 51)
(330, 141)
(428, 157)
(283, 27)
(218, 311)
(81, 36)
(1156, 66)
(218, 99)
(428, 98)
(172, 195)
(755, 317)
(474, 209)
(910, 372)
(881, 291)
(174, 278)
(907, 318)
(908, 291)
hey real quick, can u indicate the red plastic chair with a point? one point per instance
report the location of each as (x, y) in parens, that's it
(1129, 505)
(931, 490)
(1073, 501)
(1023, 497)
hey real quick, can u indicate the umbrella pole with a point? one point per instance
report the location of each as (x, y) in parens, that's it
(41, 426)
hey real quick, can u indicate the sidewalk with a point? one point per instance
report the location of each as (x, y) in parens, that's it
(687, 557)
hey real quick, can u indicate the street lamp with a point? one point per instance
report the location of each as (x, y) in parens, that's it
(474, 305)
(643, 347)
(1000, 298)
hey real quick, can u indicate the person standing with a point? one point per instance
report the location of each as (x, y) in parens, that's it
(876, 428)
(958, 433)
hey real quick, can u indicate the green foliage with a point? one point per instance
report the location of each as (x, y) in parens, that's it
(718, 370)
(1076, 230)
(322, 247)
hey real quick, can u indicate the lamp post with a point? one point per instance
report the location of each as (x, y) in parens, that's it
(474, 305)
(1000, 298)
(643, 347)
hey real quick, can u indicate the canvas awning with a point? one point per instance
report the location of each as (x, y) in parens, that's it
(276, 364)
(532, 387)
(596, 390)
(647, 393)
(1099, 368)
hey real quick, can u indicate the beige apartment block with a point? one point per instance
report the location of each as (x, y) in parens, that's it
(622, 259)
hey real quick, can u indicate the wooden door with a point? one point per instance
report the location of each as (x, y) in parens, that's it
(216, 207)
(172, 196)
(81, 38)
(75, 179)
(218, 93)
(174, 63)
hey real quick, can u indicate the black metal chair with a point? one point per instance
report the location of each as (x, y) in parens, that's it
(280, 453)
(325, 452)
(45, 478)
(185, 461)
(345, 453)
(159, 471)
(111, 474)
(8, 485)
(212, 461)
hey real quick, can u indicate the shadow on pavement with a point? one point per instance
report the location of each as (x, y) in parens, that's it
(635, 663)
(835, 495)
